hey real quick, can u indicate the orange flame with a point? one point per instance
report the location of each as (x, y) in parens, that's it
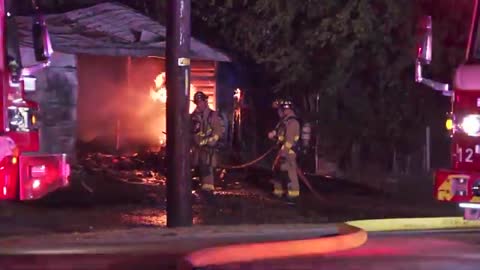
(159, 93)
(237, 94)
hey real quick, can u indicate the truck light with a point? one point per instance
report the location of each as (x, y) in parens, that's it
(29, 83)
(471, 125)
(36, 184)
(21, 119)
(66, 171)
(460, 186)
(38, 171)
(14, 160)
(449, 124)
(469, 205)
(4, 191)
(476, 188)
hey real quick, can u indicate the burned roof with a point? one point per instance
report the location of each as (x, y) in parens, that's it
(110, 29)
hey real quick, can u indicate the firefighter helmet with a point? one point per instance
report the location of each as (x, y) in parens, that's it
(199, 96)
(284, 103)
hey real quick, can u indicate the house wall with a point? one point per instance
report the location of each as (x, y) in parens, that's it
(203, 77)
(57, 92)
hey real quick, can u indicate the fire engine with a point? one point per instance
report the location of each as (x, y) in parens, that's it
(25, 172)
(461, 183)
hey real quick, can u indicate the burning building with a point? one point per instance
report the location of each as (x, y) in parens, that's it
(106, 81)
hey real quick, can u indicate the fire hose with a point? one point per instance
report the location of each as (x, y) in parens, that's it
(303, 178)
(300, 173)
(250, 163)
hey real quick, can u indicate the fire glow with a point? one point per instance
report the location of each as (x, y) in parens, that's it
(159, 92)
(158, 95)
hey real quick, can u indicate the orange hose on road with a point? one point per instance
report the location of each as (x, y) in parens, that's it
(349, 237)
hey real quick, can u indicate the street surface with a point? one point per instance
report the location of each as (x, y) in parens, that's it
(431, 251)
(397, 251)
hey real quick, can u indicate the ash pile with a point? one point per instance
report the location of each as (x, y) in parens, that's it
(106, 177)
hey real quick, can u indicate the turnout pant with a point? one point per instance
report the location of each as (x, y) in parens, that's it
(286, 177)
(204, 161)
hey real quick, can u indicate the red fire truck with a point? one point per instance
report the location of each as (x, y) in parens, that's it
(461, 183)
(25, 173)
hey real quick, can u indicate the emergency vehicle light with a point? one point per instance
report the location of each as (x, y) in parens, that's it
(37, 171)
(21, 119)
(471, 125)
(476, 188)
(36, 184)
(29, 83)
(460, 186)
(449, 124)
(470, 205)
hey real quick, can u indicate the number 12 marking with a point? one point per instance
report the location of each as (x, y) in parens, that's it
(468, 155)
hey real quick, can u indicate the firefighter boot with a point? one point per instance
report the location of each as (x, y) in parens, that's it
(208, 187)
(293, 186)
(279, 184)
(206, 178)
(293, 195)
(208, 183)
(277, 189)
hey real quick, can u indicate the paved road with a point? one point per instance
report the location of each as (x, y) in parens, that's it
(436, 251)
(445, 251)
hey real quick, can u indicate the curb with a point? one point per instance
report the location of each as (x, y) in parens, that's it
(203, 246)
(414, 224)
(173, 240)
(348, 237)
(213, 246)
(352, 234)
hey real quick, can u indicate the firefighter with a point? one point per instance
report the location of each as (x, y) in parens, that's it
(286, 134)
(206, 129)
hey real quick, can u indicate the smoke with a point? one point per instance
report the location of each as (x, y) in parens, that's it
(115, 103)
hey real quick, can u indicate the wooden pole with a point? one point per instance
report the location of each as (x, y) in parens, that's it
(179, 195)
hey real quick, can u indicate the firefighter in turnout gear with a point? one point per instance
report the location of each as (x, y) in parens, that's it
(287, 135)
(206, 129)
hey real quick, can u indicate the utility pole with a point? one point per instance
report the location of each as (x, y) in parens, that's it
(179, 195)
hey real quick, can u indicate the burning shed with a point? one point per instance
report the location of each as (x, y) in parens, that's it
(106, 79)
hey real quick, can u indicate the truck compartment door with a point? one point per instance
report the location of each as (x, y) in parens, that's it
(9, 178)
(41, 174)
